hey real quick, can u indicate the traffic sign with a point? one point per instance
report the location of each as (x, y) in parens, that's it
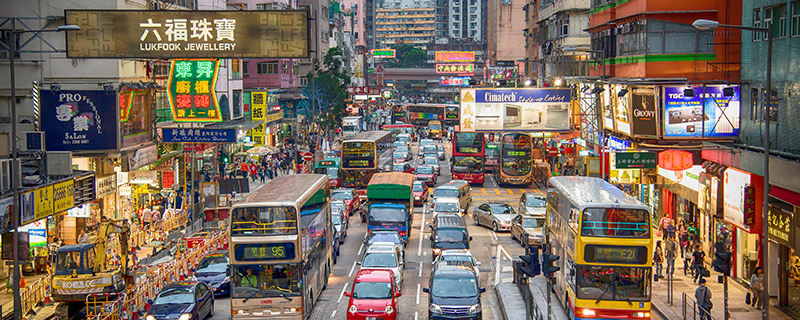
(553, 151)
(307, 156)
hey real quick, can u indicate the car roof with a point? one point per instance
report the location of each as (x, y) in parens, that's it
(456, 252)
(342, 190)
(454, 271)
(181, 284)
(447, 200)
(444, 220)
(381, 249)
(373, 275)
(383, 244)
(457, 182)
(384, 231)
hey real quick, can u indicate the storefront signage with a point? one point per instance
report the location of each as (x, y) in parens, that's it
(625, 176)
(259, 105)
(384, 53)
(636, 160)
(106, 186)
(372, 91)
(454, 81)
(79, 120)
(6, 206)
(643, 107)
(37, 232)
(188, 34)
(142, 157)
(622, 112)
(257, 134)
(533, 109)
(37, 204)
(689, 178)
(63, 196)
(779, 224)
(734, 184)
(455, 56)
(167, 179)
(455, 68)
(175, 135)
(272, 117)
(749, 206)
(708, 114)
(618, 144)
(81, 211)
(142, 177)
(675, 160)
(191, 91)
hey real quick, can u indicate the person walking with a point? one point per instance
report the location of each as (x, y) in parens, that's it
(663, 224)
(683, 236)
(245, 169)
(147, 216)
(253, 172)
(670, 253)
(755, 288)
(698, 257)
(658, 259)
(703, 296)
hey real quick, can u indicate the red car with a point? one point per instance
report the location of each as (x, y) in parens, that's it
(404, 167)
(427, 174)
(350, 198)
(420, 193)
(373, 296)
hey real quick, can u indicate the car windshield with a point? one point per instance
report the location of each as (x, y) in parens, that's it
(445, 193)
(393, 237)
(398, 168)
(336, 218)
(533, 222)
(403, 138)
(429, 148)
(439, 147)
(216, 264)
(372, 290)
(267, 280)
(386, 216)
(379, 260)
(450, 235)
(446, 287)
(430, 160)
(425, 170)
(446, 207)
(180, 295)
(402, 149)
(615, 222)
(342, 196)
(502, 208)
(456, 257)
(264, 221)
(534, 201)
(337, 207)
(418, 187)
(613, 283)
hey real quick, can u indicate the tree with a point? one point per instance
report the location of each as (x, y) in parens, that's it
(326, 86)
(409, 56)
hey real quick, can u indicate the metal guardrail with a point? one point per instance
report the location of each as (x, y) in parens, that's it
(531, 311)
(693, 311)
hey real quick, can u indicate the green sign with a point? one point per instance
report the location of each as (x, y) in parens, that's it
(384, 53)
(636, 160)
(191, 90)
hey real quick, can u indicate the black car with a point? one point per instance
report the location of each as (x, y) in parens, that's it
(454, 293)
(186, 300)
(213, 270)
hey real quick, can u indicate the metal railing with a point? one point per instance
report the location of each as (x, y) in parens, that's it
(531, 311)
(691, 309)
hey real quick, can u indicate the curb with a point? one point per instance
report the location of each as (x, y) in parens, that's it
(656, 312)
(500, 302)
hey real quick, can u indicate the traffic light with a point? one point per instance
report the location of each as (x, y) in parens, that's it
(548, 264)
(530, 263)
(722, 259)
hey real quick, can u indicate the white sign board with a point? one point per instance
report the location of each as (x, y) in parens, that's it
(689, 178)
(534, 109)
(734, 181)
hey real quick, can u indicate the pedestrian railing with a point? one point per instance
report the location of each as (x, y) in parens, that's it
(692, 311)
(531, 310)
(33, 293)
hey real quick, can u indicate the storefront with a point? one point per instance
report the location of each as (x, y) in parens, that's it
(679, 196)
(783, 224)
(740, 195)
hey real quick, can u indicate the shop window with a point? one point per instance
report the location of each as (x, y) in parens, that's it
(757, 24)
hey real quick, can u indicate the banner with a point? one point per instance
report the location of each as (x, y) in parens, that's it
(79, 120)
(188, 34)
(622, 110)
(191, 90)
(708, 114)
(455, 68)
(643, 105)
(455, 56)
(258, 105)
(175, 135)
(534, 109)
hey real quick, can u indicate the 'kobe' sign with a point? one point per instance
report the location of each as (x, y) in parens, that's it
(188, 34)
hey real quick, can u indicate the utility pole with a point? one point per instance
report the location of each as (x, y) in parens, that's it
(15, 219)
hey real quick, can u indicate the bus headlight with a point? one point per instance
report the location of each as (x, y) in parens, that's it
(289, 310)
(437, 250)
(434, 308)
(149, 317)
(643, 315)
(352, 309)
(389, 310)
(588, 312)
(475, 309)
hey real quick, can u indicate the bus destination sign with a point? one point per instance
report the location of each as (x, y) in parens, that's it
(615, 254)
(264, 251)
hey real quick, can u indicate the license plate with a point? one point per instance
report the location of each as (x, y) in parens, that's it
(372, 318)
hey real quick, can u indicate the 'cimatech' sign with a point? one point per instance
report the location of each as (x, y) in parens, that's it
(187, 34)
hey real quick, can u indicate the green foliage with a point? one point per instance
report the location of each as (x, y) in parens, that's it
(325, 93)
(409, 56)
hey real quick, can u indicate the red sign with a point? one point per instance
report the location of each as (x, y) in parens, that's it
(455, 56)
(194, 242)
(194, 146)
(372, 91)
(167, 179)
(307, 156)
(553, 151)
(675, 160)
(749, 205)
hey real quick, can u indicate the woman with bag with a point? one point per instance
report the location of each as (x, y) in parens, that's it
(683, 236)
(658, 259)
(755, 288)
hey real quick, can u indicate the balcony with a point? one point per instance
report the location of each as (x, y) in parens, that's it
(545, 11)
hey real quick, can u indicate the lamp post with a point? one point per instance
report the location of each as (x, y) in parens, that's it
(704, 24)
(15, 179)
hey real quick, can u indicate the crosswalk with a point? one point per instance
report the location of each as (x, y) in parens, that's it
(502, 191)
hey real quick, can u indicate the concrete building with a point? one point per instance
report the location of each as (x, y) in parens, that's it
(413, 26)
(532, 43)
(504, 38)
(561, 25)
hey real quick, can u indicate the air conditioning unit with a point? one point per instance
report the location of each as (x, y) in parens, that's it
(32, 141)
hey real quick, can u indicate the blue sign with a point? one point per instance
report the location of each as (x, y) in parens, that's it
(76, 120)
(173, 135)
(618, 144)
(708, 114)
(523, 95)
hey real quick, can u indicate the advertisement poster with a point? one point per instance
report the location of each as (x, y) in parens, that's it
(515, 109)
(78, 120)
(622, 112)
(37, 232)
(6, 206)
(608, 110)
(643, 107)
(734, 183)
(709, 114)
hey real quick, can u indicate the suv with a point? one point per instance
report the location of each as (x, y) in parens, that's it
(454, 292)
(449, 231)
(384, 257)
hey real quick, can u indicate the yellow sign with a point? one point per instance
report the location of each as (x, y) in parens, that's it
(63, 196)
(142, 189)
(258, 102)
(43, 202)
(257, 134)
(274, 117)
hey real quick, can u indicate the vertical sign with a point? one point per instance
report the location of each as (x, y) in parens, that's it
(63, 196)
(258, 103)
(643, 105)
(191, 90)
(467, 123)
(43, 202)
(167, 179)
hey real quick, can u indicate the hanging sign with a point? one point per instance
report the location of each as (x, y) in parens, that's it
(105, 186)
(63, 196)
(191, 90)
(207, 135)
(79, 120)
(636, 160)
(455, 68)
(259, 105)
(779, 224)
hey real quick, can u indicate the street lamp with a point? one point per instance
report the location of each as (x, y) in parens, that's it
(15, 158)
(704, 24)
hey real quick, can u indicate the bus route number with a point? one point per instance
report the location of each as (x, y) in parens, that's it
(615, 254)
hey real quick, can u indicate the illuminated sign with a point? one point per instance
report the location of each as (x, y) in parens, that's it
(675, 160)
(454, 81)
(358, 163)
(615, 254)
(455, 56)
(516, 153)
(384, 53)
(455, 68)
(191, 90)
(530, 109)
(188, 34)
(263, 251)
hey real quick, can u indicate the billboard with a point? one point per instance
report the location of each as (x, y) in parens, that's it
(188, 34)
(708, 114)
(192, 97)
(384, 53)
(643, 107)
(535, 109)
(734, 183)
(79, 120)
(455, 68)
(454, 81)
(455, 56)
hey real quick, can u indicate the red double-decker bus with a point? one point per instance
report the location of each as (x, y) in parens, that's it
(468, 157)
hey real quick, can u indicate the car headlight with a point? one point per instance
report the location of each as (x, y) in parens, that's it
(437, 250)
(352, 309)
(434, 308)
(149, 317)
(416, 197)
(185, 316)
(475, 309)
(389, 309)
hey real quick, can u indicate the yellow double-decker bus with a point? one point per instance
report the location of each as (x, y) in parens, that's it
(280, 248)
(605, 243)
(362, 156)
(515, 161)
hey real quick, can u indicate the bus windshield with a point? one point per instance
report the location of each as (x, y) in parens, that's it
(615, 222)
(516, 162)
(333, 173)
(358, 155)
(387, 217)
(267, 280)
(467, 164)
(468, 142)
(434, 126)
(613, 283)
(264, 221)
(349, 127)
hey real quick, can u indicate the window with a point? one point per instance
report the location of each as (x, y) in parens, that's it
(564, 29)
(268, 6)
(795, 18)
(757, 24)
(754, 114)
(303, 81)
(236, 69)
(768, 17)
(237, 104)
(245, 65)
(780, 13)
(669, 37)
(268, 68)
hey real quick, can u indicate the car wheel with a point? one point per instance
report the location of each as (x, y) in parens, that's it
(494, 226)
(513, 237)
(475, 218)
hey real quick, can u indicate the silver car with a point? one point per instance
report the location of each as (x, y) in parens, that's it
(532, 203)
(495, 215)
(528, 228)
(440, 151)
(384, 257)
(431, 160)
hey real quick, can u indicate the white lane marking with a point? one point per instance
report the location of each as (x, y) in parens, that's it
(494, 235)
(425, 254)
(505, 253)
(497, 267)
(341, 294)
(418, 293)
(333, 314)
(350, 274)
(416, 314)
(360, 248)
(421, 227)
(420, 269)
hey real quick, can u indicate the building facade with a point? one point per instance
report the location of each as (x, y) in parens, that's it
(414, 26)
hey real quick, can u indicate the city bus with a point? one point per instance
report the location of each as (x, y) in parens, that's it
(399, 114)
(605, 245)
(452, 114)
(468, 157)
(492, 156)
(396, 129)
(435, 130)
(329, 167)
(362, 156)
(515, 165)
(420, 114)
(280, 248)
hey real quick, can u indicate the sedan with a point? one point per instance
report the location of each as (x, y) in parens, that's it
(532, 203)
(433, 162)
(406, 151)
(404, 167)
(528, 228)
(457, 257)
(440, 151)
(398, 157)
(350, 198)
(420, 190)
(494, 214)
(182, 300)
(213, 270)
(340, 225)
(426, 174)
(384, 258)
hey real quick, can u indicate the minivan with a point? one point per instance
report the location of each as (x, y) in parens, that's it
(449, 231)
(458, 189)
(454, 293)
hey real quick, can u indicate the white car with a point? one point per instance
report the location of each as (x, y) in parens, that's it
(384, 257)
(458, 257)
(446, 205)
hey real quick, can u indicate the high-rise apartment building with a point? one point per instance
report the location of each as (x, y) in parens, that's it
(413, 26)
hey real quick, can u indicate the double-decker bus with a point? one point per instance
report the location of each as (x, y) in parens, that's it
(603, 238)
(362, 156)
(280, 248)
(329, 167)
(492, 156)
(396, 129)
(420, 114)
(399, 114)
(468, 157)
(515, 165)
(435, 130)
(452, 114)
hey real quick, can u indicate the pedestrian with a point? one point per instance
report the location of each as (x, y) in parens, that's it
(156, 216)
(698, 266)
(253, 172)
(245, 169)
(670, 253)
(703, 297)
(262, 173)
(658, 259)
(683, 236)
(755, 288)
(147, 216)
(663, 223)
(83, 237)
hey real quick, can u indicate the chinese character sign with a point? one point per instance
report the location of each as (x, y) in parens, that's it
(77, 120)
(191, 90)
(455, 56)
(176, 135)
(455, 68)
(259, 105)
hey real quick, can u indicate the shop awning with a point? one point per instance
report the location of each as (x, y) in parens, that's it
(566, 136)
(262, 150)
